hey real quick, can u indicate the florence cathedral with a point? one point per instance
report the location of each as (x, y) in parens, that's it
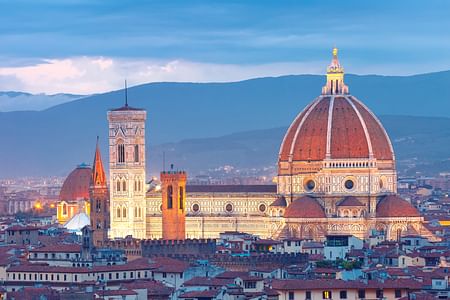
(336, 175)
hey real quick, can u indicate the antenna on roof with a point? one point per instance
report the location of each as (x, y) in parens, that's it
(126, 94)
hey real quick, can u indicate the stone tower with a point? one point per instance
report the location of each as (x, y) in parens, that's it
(127, 171)
(99, 201)
(173, 205)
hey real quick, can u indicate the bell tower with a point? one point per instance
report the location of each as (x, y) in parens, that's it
(173, 185)
(99, 201)
(127, 171)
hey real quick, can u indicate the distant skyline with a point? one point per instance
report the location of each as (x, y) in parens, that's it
(89, 46)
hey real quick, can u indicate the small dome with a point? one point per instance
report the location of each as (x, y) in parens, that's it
(394, 206)
(76, 185)
(281, 201)
(304, 207)
(350, 201)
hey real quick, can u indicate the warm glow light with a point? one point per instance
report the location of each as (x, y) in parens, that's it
(37, 205)
(52, 205)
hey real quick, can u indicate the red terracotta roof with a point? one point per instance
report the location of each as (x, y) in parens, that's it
(304, 207)
(64, 248)
(394, 206)
(169, 265)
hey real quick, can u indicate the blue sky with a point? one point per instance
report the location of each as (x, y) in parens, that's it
(90, 46)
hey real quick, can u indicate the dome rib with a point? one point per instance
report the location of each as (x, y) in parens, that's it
(382, 146)
(290, 133)
(364, 126)
(300, 126)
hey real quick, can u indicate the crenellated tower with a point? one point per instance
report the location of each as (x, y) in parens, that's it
(99, 200)
(127, 171)
(173, 185)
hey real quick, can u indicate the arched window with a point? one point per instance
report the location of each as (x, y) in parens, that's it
(135, 186)
(181, 198)
(135, 212)
(124, 212)
(136, 153)
(118, 212)
(124, 185)
(169, 197)
(64, 209)
(118, 186)
(140, 212)
(139, 186)
(121, 152)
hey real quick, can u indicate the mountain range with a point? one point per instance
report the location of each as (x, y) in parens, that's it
(207, 125)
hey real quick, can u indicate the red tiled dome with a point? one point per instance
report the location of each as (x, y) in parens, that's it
(350, 201)
(76, 185)
(340, 126)
(304, 207)
(394, 206)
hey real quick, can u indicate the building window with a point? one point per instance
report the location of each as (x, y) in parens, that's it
(124, 212)
(164, 274)
(121, 153)
(136, 153)
(343, 294)
(118, 185)
(398, 293)
(326, 295)
(291, 295)
(124, 186)
(118, 212)
(181, 197)
(262, 207)
(169, 197)
(379, 294)
(76, 277)
(250, 285)
(117, 275)
(308, 295)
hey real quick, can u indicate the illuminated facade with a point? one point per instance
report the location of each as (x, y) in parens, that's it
(127, 172)
(336, 175)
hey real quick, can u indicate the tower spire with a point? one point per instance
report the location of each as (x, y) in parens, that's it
(98, 172)
(126, 94)
(335, 77)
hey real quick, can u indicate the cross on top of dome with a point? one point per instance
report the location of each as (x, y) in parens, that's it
(335, 77)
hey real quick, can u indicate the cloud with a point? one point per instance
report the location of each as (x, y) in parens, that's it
(88, 75)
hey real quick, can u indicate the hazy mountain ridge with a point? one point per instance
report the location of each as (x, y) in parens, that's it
(53, 141)
(19, 101)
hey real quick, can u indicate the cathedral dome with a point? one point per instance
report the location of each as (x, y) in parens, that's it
(336, 145)
(394, 206)
(76, 185)
(304, 207)
(335, 127)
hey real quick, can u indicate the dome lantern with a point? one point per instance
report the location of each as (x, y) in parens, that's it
(335, 77)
